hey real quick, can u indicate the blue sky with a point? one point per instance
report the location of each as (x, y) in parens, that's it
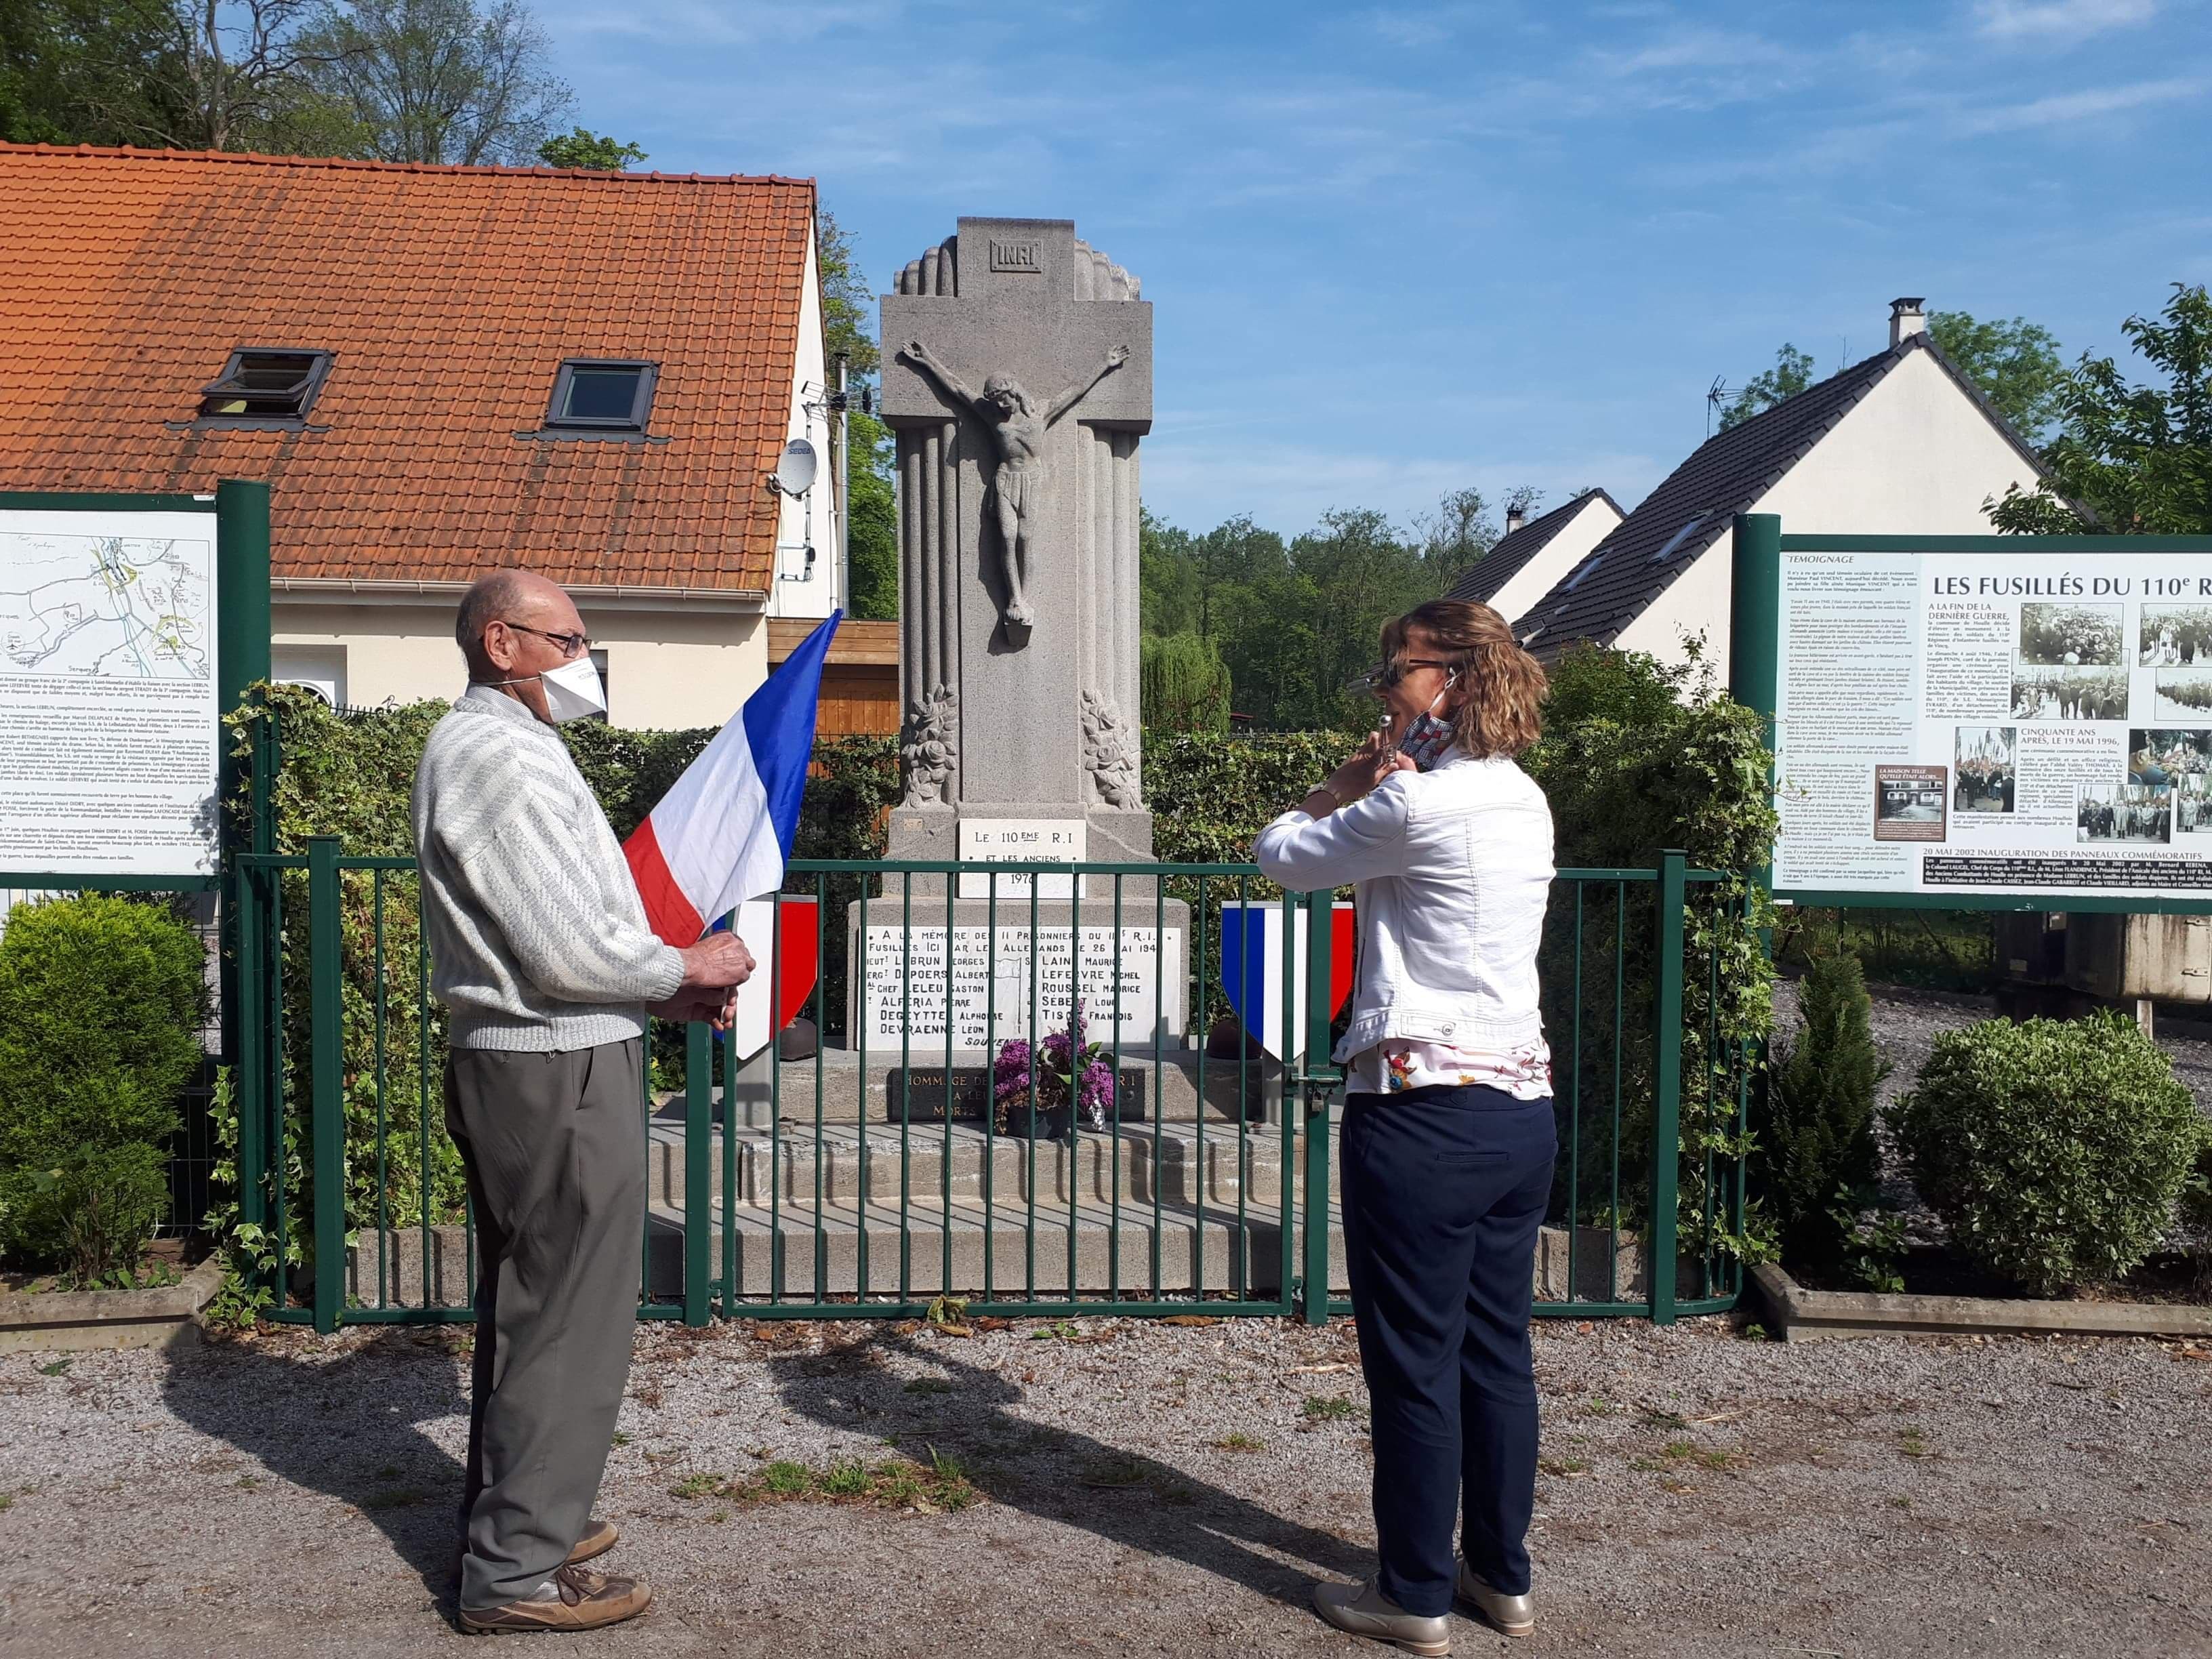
(1396, 250)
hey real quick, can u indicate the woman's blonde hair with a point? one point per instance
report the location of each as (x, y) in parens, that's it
(1504, 685)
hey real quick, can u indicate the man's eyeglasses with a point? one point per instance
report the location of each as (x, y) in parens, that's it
(1388, 674)
(571, 645)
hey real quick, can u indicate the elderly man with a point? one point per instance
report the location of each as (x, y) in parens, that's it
(542, 955)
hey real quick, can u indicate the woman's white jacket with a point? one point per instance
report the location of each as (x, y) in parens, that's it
(1452, 866)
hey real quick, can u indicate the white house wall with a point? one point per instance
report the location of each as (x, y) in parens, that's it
(666, 669)
(1592, 525)
(800, 588)
(1916, 457)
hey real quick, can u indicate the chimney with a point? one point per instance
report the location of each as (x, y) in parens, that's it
(1514, 519)
(1905, 320)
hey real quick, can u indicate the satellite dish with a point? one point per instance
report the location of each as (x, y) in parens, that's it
(794, 470)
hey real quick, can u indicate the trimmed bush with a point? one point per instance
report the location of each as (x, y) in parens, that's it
(1816, 1164)
(2053, 1149)
(101, 1001)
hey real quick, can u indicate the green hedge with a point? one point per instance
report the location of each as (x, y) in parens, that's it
(102, 1000)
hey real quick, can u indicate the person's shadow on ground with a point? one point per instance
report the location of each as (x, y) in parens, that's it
(1062, 1476)
(350, 1427)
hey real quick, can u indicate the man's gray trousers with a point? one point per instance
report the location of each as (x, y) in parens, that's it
(554, 1144)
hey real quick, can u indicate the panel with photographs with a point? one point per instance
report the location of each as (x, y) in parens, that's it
(2192, 804)
(2136, 812)
(1982, 763)
(2069, 694)
(2184, 693)
(2173, 635)
(2070, 635)
(2163, 755)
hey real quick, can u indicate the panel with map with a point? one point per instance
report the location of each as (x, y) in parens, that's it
(124, 606)
(110, 730)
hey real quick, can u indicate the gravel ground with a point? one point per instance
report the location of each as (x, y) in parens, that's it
(1704, 1494)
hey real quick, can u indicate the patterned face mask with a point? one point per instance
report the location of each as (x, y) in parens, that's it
(1427, 737)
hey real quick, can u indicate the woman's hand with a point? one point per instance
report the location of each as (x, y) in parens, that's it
(1374, 760)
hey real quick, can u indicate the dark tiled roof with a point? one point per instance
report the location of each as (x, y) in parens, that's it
(1693, 504)
(449, 297)
(1510, 555)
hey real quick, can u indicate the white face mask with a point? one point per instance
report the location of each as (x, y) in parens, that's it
(572, 690)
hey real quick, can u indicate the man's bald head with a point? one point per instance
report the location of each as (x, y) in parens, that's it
(509, 596)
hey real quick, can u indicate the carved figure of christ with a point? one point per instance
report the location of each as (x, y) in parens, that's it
(1019, 482)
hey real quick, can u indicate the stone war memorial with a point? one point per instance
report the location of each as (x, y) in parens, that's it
(1018, 379)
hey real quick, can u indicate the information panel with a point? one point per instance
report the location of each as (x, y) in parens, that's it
(109, 692)
(1951, 724)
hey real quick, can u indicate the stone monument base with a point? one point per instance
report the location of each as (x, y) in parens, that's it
(898, 992)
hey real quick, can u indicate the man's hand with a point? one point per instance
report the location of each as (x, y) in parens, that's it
(717, 1008)
(716, 963)
(1117, 356)
(917, 351)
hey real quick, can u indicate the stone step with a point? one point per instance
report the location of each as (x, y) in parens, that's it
(1209, 1248)
(1205, 1249)
(1176, 1162)
(1169, 1087)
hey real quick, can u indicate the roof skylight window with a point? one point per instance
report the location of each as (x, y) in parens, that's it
(1589, 567)
(266, 386)
(592, 396)
(1677, 540)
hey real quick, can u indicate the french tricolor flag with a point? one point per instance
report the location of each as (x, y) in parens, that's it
(721, 836)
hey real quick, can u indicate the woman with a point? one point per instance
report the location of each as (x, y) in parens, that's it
(1448, 1136)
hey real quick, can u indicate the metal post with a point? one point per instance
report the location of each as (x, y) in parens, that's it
(698, 1172)
(1666, 1085)
(326, 1062)
(241, 533)
(1755, 629)
(845, 491)
(1320, 939)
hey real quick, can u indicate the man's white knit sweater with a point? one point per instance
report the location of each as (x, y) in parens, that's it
(538, 941)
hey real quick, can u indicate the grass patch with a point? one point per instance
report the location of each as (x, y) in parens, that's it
(1240, 1442)
(1062, 1331)
(1318, 1408)
(60, 1368)
(941, 1484)
(1600, 1406)
(1563, 1468)
(1114, 1472)
(928, 1385)
(394, 1498)
(7, 1502)
(620, 1438)
(1913, 1444)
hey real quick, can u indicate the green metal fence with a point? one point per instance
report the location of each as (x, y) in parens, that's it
(912, 1155)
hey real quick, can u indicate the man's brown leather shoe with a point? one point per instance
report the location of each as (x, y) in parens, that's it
(573, 1598)
(599, 1537)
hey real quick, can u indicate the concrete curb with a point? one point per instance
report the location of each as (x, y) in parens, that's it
(81, 1321)
(1804, 1315)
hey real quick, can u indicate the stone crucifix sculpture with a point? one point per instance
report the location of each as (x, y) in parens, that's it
(1021, 481)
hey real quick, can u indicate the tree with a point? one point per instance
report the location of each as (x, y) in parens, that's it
(1791, 374)
(434, 81)
(847, 306)
(2137, 458)
(1185, 684)
(873, 537)
(2015, 363)
(82, 71)
(588, 151)
(1454, 538)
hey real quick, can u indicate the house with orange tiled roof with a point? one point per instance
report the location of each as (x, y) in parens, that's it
(439, 371)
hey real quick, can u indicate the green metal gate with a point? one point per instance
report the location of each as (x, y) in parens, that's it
(846, 1185)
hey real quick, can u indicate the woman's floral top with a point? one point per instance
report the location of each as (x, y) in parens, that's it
(1391, 1067)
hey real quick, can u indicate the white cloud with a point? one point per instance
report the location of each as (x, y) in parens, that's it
(2053, 20)
(2065, 108)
